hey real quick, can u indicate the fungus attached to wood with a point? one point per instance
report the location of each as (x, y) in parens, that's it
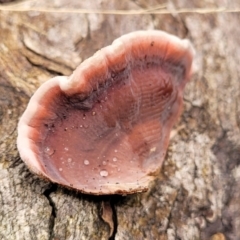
(105, 129)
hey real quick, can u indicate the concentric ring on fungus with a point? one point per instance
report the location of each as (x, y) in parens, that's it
(105, 129)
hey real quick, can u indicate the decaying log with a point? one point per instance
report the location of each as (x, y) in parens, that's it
(196, 195)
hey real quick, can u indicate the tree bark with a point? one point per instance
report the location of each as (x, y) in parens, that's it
(196, 195)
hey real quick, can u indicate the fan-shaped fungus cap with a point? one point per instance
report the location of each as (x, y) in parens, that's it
(105, 129)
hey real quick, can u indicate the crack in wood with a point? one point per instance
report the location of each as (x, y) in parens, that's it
(53, 215)
(108, 214)
(114, 219)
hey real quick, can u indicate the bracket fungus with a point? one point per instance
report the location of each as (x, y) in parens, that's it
(105, 129)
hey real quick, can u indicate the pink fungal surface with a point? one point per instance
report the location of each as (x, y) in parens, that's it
(105, 129)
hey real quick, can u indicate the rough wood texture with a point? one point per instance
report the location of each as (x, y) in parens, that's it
(196, 196)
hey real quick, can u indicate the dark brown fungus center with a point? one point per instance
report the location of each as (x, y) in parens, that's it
(105, 129)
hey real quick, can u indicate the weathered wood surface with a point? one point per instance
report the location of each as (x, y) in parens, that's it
(196, 196)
